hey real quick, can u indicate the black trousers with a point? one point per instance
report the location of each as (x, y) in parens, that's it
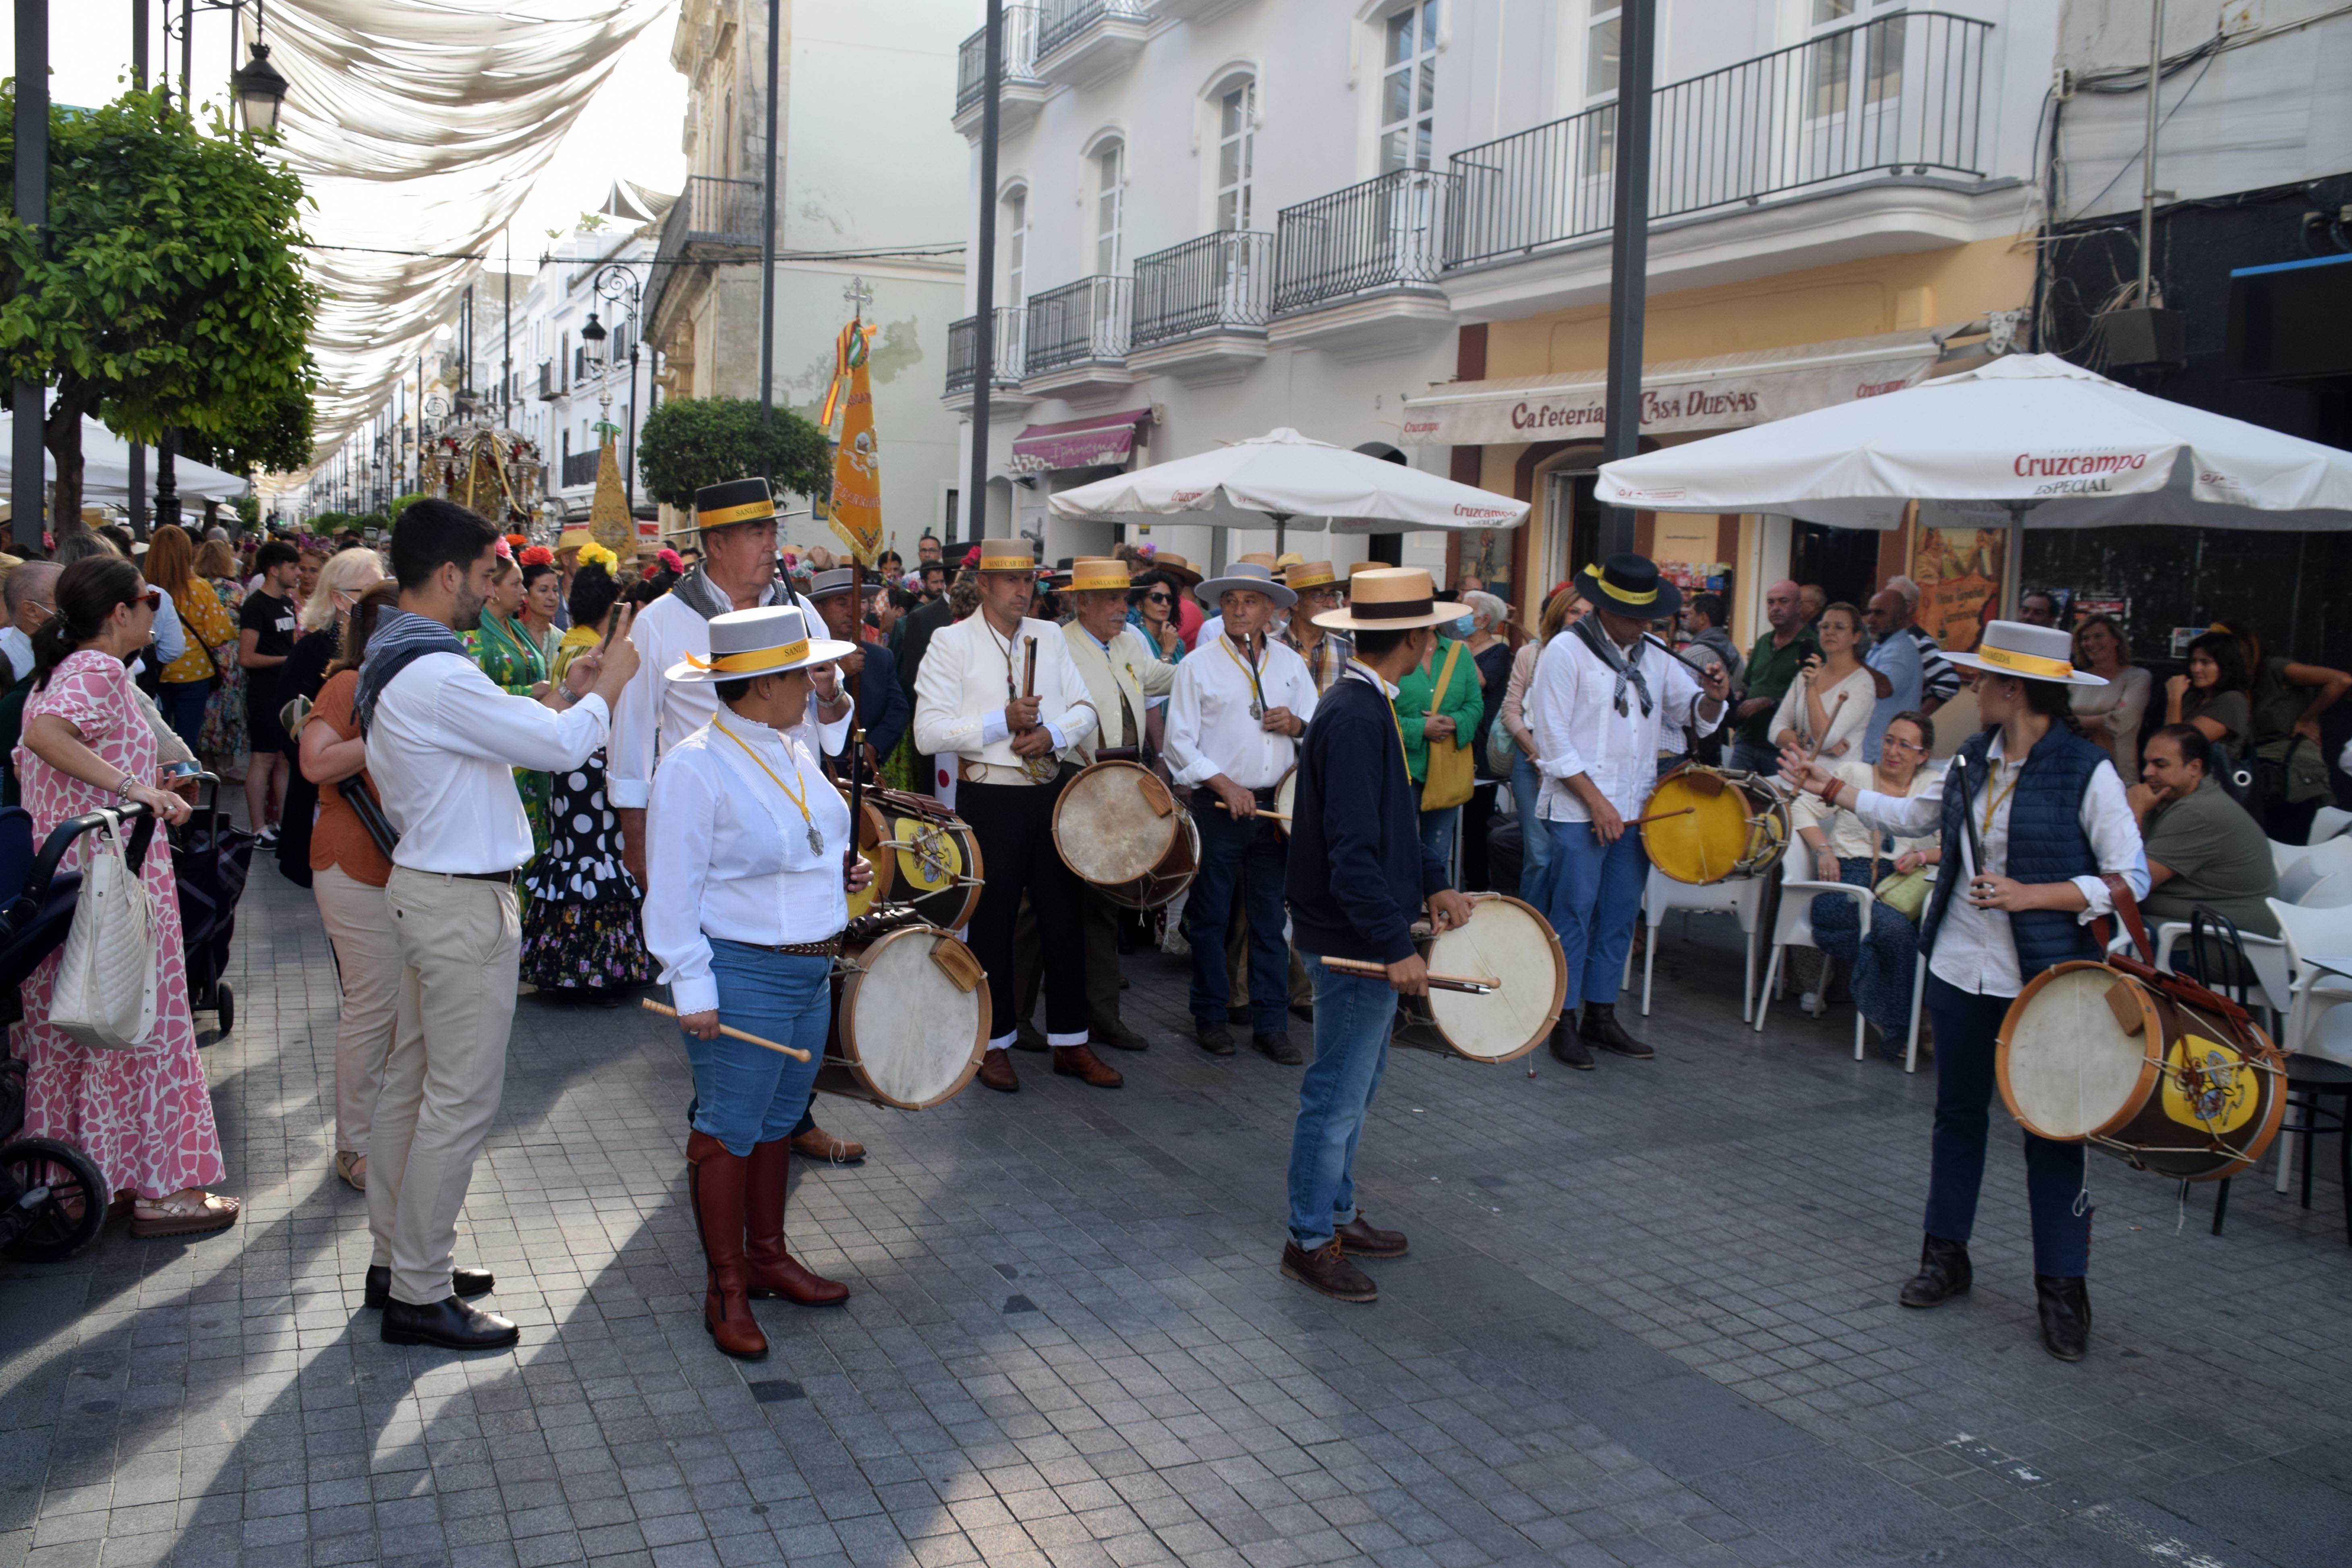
(1015, 826)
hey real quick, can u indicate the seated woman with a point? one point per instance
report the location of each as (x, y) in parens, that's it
(1826, 711)
(1844, 850)
(2213, 694)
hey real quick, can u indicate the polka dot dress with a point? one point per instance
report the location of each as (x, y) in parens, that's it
(579, 929)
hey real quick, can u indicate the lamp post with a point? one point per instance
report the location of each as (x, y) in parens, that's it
(617, 284)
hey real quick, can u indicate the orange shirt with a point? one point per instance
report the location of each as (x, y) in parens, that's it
(337, 838)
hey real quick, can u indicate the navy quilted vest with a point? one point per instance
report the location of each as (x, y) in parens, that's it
(2046, 841)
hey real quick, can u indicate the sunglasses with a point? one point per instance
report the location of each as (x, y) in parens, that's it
(1161, 598)
(152, 596)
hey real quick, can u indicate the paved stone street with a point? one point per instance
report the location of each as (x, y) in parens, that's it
(1648, 1317)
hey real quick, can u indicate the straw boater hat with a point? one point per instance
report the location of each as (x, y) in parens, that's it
(725, 505)
(1094, 577)
(573, 538)
(1176, 567)
(1007, 555)
(1630, 585)
(1362, 566)
(771, 640)
(1306, 575)
(2030, 653)
(1260, 558)
(1387, 599)
(1252, 577)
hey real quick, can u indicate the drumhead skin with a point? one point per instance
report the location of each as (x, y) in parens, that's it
(2068, 1070)
(1107, 830)
(1507, 941)
(905, 1028)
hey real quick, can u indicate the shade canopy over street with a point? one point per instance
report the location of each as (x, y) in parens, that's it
(106, 467)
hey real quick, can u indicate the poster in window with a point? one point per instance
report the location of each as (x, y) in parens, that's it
(1958, 571)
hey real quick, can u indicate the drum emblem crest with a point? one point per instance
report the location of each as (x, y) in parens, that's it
(2207, 1085)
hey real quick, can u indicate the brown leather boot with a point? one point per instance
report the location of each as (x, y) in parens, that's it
(715, 1180)
(769, 1270)
(1327, 1270)
(816, 1143)
(1080, 1062)
(1602, 1029)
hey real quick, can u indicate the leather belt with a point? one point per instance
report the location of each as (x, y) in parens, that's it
(1264, 797)
(996, 773)
(825, 949)
(503, 879)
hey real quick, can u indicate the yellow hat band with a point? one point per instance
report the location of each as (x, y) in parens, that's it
(1625, 596)
(1007, 563)
(750, 511)
(2027, 664)
(759, 661)
(1099, 581)
(1321, 580)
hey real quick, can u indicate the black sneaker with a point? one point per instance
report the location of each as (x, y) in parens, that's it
(1276, 1048)
(1216, 1038)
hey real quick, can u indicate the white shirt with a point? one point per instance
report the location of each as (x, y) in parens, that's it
(1847, 703)
(1847, 836)
(729, 856)
(19, 649)
(656, 712)
(1974, 950)
(1570, 709)
(1209, 728)
(443, 748)
(171, 642)
(970, 672)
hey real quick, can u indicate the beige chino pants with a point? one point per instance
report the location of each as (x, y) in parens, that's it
(358, 919)
(460, 947)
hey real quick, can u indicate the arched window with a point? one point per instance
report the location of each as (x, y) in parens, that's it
(1236, 154)
(1110, 201)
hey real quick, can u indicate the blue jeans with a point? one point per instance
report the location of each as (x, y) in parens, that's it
(1745, 758)
(1257, 854)
(1964, 1027)
(1595, 896)
(744, 1095)
(181, 703)
(1881, 966)
(1437, 830)
(1352, 1015)
(1535, 844)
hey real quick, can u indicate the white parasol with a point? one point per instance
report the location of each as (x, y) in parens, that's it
(106, 467)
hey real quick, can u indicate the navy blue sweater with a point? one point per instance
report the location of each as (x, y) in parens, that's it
(883, 710)
(1358, 874)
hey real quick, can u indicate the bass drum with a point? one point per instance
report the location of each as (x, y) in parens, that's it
(934, 859)
(1285, 800)
(1507, 942)
(910, 1014)
(1120, 831)
(1715, 825)
(2090, 1054)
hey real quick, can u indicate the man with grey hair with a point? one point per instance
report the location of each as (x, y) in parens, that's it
(1939, 681)
(30, 596)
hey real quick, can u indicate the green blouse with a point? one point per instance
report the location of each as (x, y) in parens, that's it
(1463, 702)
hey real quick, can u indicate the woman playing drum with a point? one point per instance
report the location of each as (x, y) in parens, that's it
(744, 913)
(2034, 823)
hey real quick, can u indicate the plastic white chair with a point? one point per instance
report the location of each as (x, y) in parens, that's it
(2330, 857)
(2329, 822)
(2306, 931)
(2274, 981)
(2332, 891)
(1793, 926)
(2285, 857)
(1740, 895)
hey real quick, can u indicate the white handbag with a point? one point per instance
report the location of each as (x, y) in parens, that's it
(105, 991)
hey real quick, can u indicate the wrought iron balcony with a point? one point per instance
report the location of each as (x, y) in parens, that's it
(1067, 20)
(1082, 41)
(1219, 282)
(579, 469)
(1004, 367)
(1079, 323)
(1019, 55)
(1385, 233)
(1902, 94)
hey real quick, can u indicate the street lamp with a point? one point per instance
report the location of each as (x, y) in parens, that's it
(618, 284)
(261, 92)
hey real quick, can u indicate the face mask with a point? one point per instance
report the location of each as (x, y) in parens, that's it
(1460, 630)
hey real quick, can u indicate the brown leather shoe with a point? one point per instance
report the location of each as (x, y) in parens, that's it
(1080, 1062)
(1121, 1037)
(1602, 1029)
(1328, 1271)
(1359, 1239)
(715, 1183)
(996, 1072)
(816, 1143)
(769, 1270)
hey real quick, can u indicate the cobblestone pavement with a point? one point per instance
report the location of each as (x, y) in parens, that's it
(1648, 1317)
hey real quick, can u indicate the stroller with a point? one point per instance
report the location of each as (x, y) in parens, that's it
(211, 856)
(53, 1200)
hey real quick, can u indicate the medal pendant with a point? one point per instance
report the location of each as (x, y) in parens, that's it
(815, 840)
(1257, 710)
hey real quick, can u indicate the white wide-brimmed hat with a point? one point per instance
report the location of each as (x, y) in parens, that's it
(771, 640)
(1388, 599)
(2027, 652)
(1250, 576)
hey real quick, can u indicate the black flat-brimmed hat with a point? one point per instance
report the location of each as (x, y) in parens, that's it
(1630, 585)
(736, 500)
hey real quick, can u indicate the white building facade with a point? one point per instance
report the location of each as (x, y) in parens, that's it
(561, 394)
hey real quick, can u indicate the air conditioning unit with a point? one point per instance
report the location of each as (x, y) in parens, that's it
(2143, 338)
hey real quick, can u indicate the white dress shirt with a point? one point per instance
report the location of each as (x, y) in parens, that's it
(1974, 950)
(1209, 728)
(442, 749)
(729, 853)
(656, 712)
(1124, 668)
(1570, 709)
(970, 672)
(171, 641)
(19, 649)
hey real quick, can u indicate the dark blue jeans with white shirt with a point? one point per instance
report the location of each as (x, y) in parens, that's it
(1254, 851)
(1595, 897)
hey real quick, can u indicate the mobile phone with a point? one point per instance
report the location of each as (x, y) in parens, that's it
(612, 624)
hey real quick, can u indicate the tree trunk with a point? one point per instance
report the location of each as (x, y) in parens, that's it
(62, 436)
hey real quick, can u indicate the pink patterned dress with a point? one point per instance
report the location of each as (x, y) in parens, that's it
(145, 1115)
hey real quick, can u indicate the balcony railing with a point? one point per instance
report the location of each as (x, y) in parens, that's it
(1063, 21)
(547, 387)
(1387, 232)
(579, 469)
(1902, 93)
(721, 211)
(1004, 368)
(1217, 282)
(1083, 322)
(1019, 55)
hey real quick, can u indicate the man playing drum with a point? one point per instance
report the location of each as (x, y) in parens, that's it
(751, 839)
(1000, 693)
(1602, 696)
(2037, 825)
(1239, 705)
(1358, 876)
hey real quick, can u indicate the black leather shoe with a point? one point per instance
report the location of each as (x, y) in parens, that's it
(2065, 1304)
(1568, 1048)
(1276, 1048)
(1303, 1011)
(449, 1324)
(377, 1291)
(1602, 1029)
(1944, 1273)
(1216, 1038)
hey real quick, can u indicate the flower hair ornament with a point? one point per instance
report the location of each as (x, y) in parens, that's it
(595, 554)
(539, 555)
(504, 551)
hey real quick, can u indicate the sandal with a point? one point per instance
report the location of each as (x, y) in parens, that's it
(198, 1216)
(352, 1168)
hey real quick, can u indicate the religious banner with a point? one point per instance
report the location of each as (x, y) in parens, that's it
(608, 515)
(1958, 571)
(855, 505)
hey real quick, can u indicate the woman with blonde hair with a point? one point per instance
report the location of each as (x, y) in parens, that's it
(1563, 609)
(188, 680)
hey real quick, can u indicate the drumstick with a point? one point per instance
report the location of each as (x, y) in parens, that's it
(1661, 817)
(1029, 669)
(1840, 707)
(1262, 810)
(1472, 984)
(794, 1052)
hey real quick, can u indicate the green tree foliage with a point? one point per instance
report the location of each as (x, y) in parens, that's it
(399, 505)
(689, 442)
(165, 291)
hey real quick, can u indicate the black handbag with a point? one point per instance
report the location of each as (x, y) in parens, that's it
(371, 817)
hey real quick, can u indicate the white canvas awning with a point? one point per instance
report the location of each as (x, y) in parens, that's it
(1721, 392)
(106, 469)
